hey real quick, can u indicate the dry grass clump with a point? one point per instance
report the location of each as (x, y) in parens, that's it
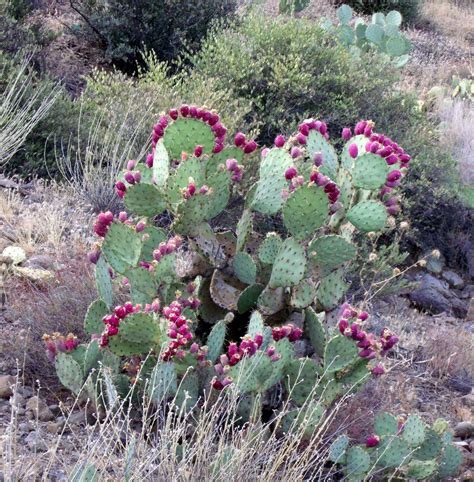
(455, 19)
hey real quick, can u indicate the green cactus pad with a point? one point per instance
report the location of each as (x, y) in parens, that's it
(357, 374)
(289, 266)
(421, 470)
(152, 237)
(414, 431)
(255, 324)
(69, 372)
(78, 354)
(141, 328)
(337, 450)
(183, 135)
(215, 340)
(121, 247)
(244, 228)
(251, 374)
(315, 330)
(397, 45)
(145, 200)
(315, 142)
(344, 183)
(450, 462)
(267, 198)
(305, 210)
(92, 357)
(357, 462)
(392, 452)
(222, 292)
(118, 345)
(163, 382)
(271, 300)
(190, 168)
(346, 159)
(329, 390)
(307, 417)
(248, 298)
(93, 319)
(431, 447)
(303, 294)
(188, 392)
(208, 242)
(191, 213)
(368, 216)
(142, 285)
(245, 268)
(385, 424)
(331, 251)
(332, 289)
(215, 161)
(208, 310)
(219, 184)
(269, 248)
(339, 353)
(301, 377)
(370, 171)
(161, 164)
(103, 282)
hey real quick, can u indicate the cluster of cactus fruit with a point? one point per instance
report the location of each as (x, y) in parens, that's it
(382, 33)
(257, 311)
(406, 446)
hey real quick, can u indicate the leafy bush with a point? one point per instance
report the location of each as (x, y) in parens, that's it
(408, 8)
(290, 69)
(125, 27)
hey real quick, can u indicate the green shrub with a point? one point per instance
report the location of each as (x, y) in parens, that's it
(290, 69)
(408, 8)
(125, 27)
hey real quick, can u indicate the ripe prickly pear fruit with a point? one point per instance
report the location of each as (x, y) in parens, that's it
(318, 159)
(231, 164)
(304, 129)
(174, 113)
(193, 111)
(198, 151)
(279, 141)
(140, 227)
(250, 147)
(295, 152)
(137, 176)
(129, 177)
(360, 128)
(346, 133)
(131, 165)
(184, 110)
(372, 441)
(353, 150)
(239, 139)
(93, 256)
(394, 175)
(149, 160)
(218, 147)
(213, 119)
(378, 370)
(301, 138)
(290, 173)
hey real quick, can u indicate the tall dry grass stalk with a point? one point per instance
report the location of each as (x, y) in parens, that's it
(22, 106)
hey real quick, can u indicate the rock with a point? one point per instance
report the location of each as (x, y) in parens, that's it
(40, 409)
(468, 400)
(34, 275)
(434, 296)
(15, 253)
(470, 310)
(464, 430)
(467, 293)
(453, 279)
(6, 384)
(36, 442)
(470, 262)
(54, 427)
(24, 427)
(434, 261)
(41, 261)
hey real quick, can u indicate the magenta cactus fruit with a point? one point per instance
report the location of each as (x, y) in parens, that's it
(279, 141)
(301, 138)
(174, 113)
(394, 176)
(184, 110)
(372, 441)
(295, 152)
(378, 370)
(290, 173)
(231, 164)
(129, 177)
(250, 146)
(239, 139)
(93, 256)
(304, 129)
(198, 151)
(353, 150)
(318, 159)
(140, 227)
(346, 133)
(193, 111)
(149, 160)
(131, 164)
(137, 176)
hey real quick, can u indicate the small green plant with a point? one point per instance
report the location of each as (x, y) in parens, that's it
(407, 447)
(408, 8)
(293, 6)
(383, 33)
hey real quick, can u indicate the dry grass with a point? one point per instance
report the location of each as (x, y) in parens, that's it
(455, 19)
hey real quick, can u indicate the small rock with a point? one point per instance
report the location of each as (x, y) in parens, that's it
(6, 384)
(15, 253)
(36, 442)
(34, 275)
(17, 400)
(464, 430)
(25, 391)
(468, 400)
(40, 409)
(54, 427)
(41, 261)
(453, 279)
(23, 427)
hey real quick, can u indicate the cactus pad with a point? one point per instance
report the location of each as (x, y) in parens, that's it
(222, 293)
(121, 247)
(183, 135)
(331, 251)
(216, 160)
(305, 210)
(103, 282)
(93, 320)
(219, 193)
(420, 470)
(255, 324)
(187, 394)
(244, 228)
(385, 424)
(142, 285)
(450, 462)
(431, 447)
(339, 353)
(315, 142)
(269, 248)
(163, 382)
(332, 289)
(215, 340)
(191, 213)
(337, 450)
(69, 372)
(190, 168)
(165, 270)
(152, 237)
(208, 310)
(209, 244)
(161, 164)
(271, 300)
(245, 268)
(307, 417)
(145, 200)
(248, 298)
(414, 431)
(118, 345)
(346, 159)
(141, 328)
(368, 216)
(91, 357)
(315, 330)
(392, 452)
(289, 266)
(358, 462)
(302, 376)
(329, 390)
(370, 171)
(267, 198)
(251, 373)
(303, 294)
